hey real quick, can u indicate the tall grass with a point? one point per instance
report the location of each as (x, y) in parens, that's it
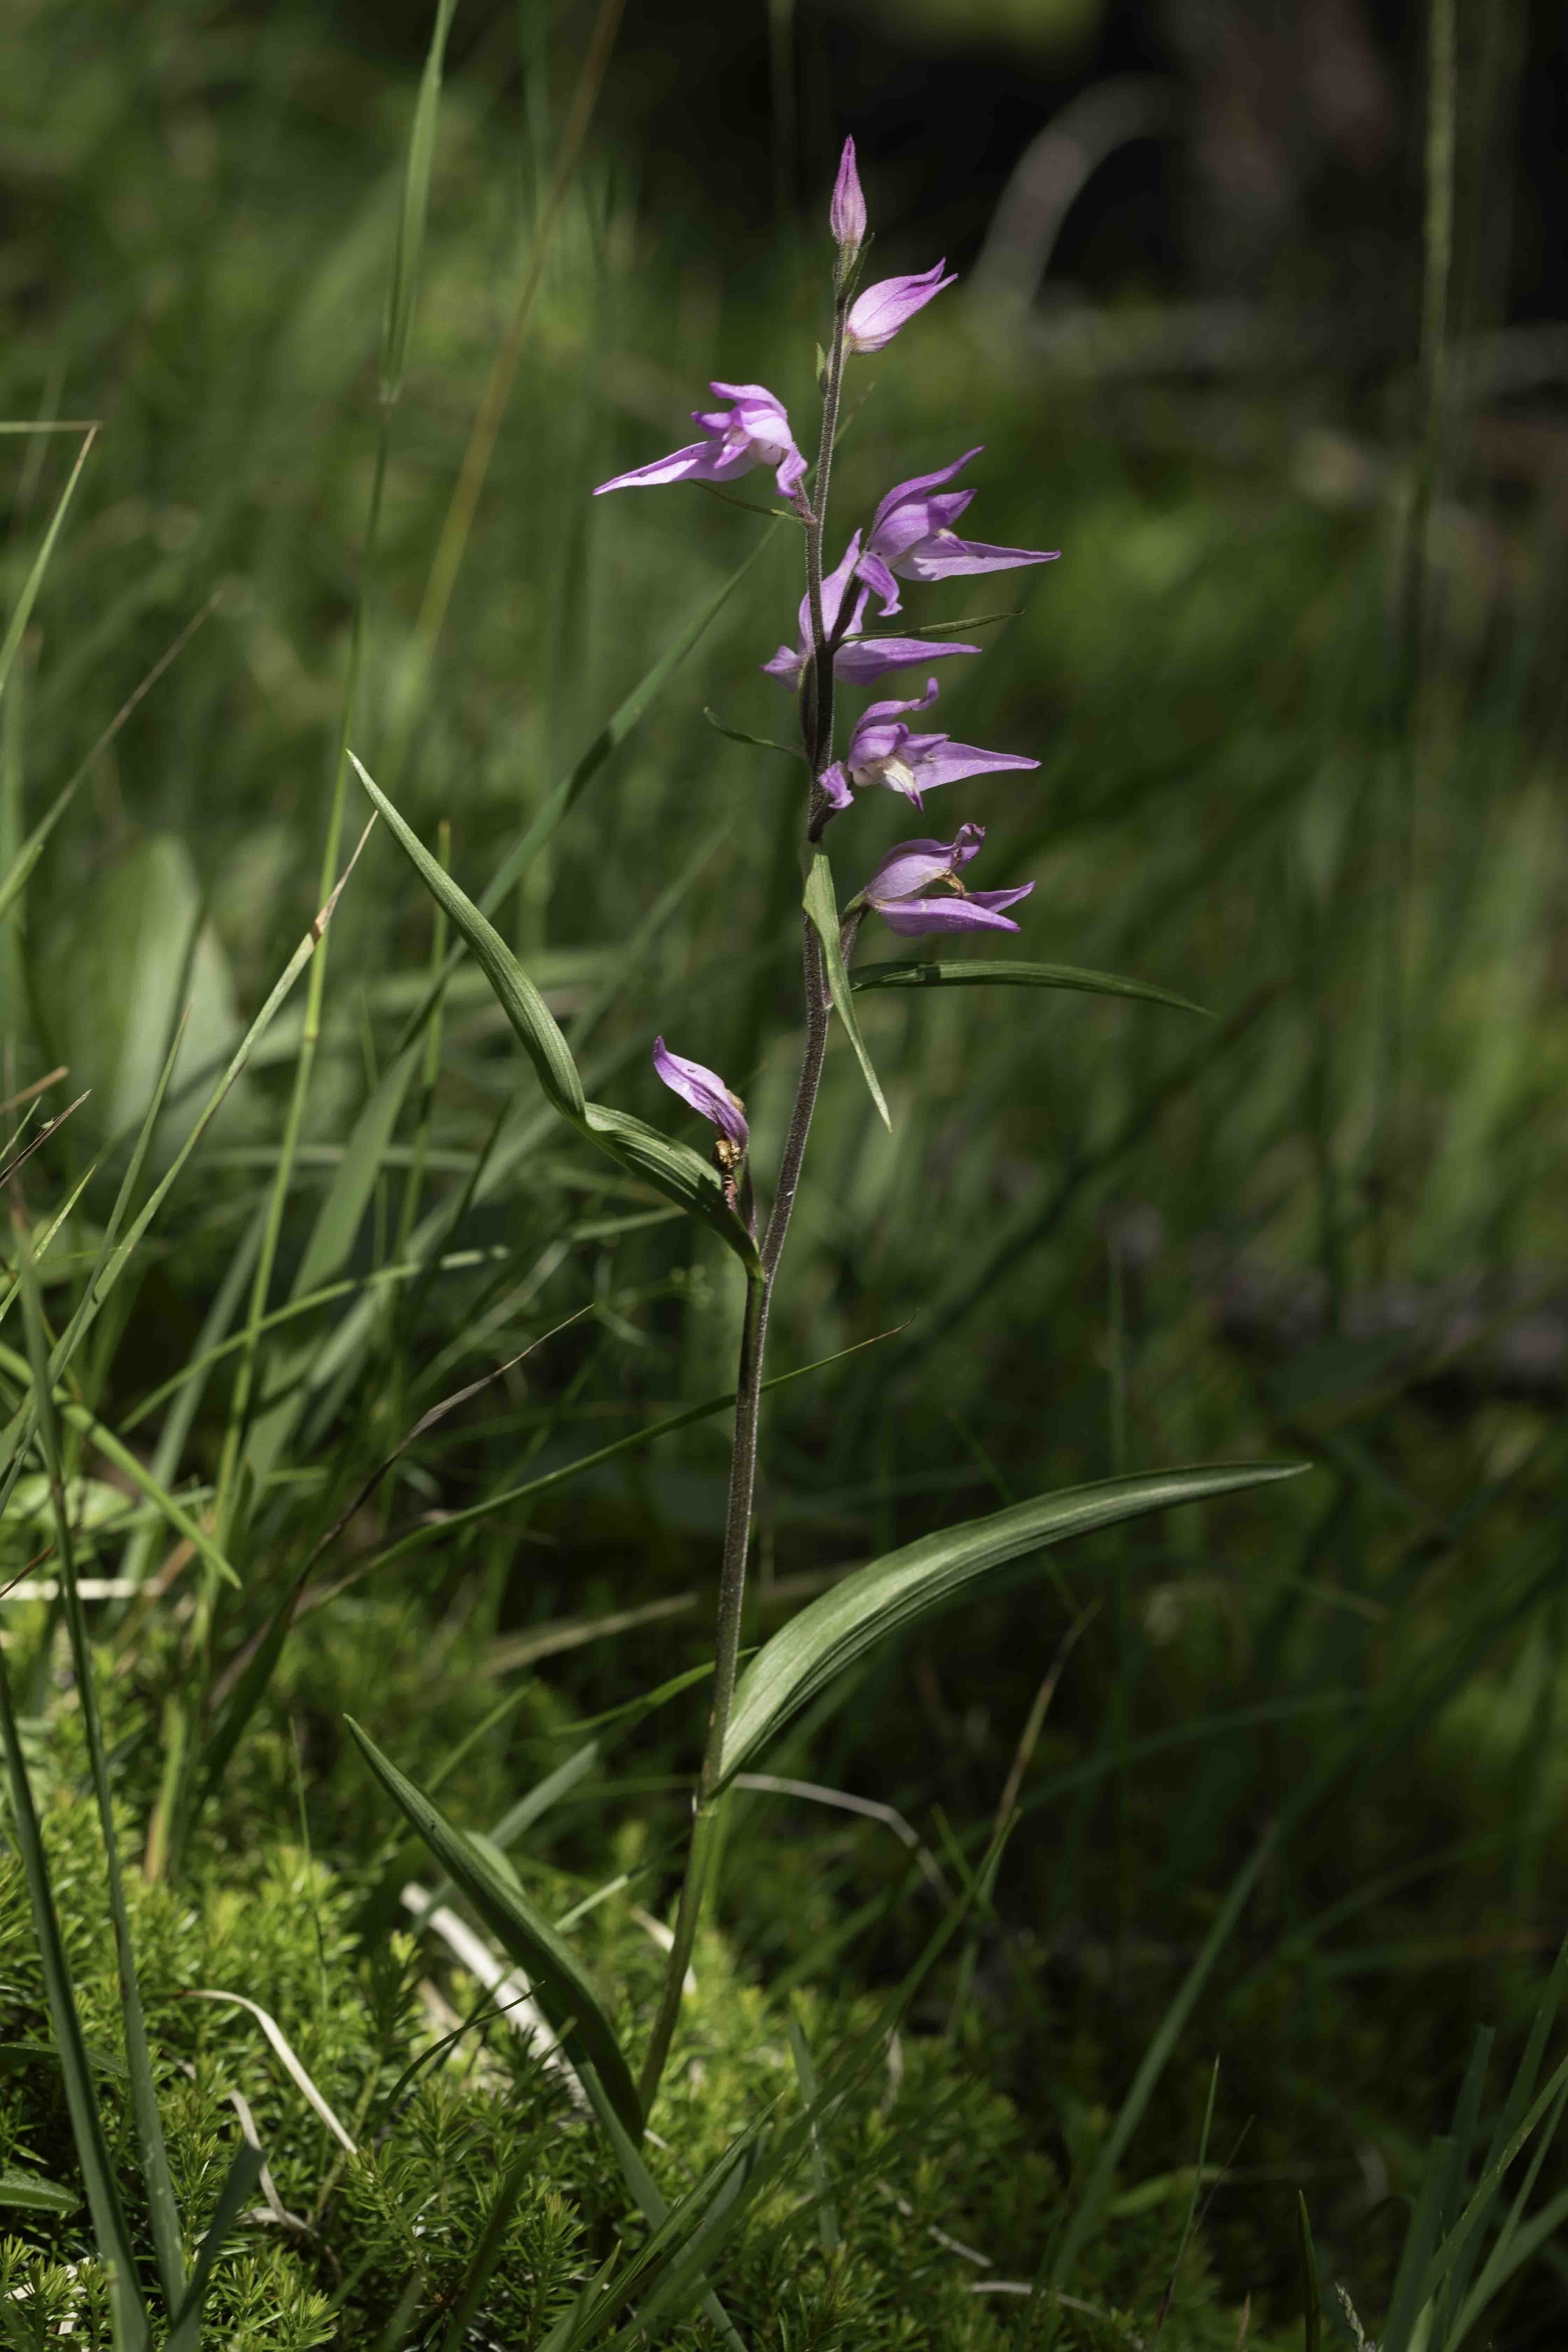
(1293, 1795)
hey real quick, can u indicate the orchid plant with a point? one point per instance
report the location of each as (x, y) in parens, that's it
(917, 889)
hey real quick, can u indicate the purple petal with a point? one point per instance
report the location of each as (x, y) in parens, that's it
(876, 711)
(910, 492)
(949, 761)
(835, 784)
(911, 919)
(695, 463)
(993, 901)
(788, 666)
(881, 580)
(913, 865)
(941, 555)
(866, 657)
(791, 470)
(878, 741)
(705, 1090)
(875, 316)
(847, 213)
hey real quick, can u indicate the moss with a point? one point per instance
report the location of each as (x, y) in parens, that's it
(933, 2184)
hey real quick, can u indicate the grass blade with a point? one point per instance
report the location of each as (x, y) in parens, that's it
(185, 2335)
(1311, 2301)
(1007, 973)
(563, 797)
(681, 1174)
(1097, 2188)
(162, 2209)
(894, 1593)
(110, 2228)
(821, 904)
(1410, 2295)
(414, 212)
(566, 1994)
(23, 612)
(533, 1021)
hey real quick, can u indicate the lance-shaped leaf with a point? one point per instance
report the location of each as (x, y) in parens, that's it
(413, 210)
(891, 1594)
(555, 1972)
(521, 1002)
(673, 1169)
(681, 1174)
(822, 905)
(22, 610)
(1004, 973)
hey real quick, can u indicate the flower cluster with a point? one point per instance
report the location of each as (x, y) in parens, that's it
(918, 888)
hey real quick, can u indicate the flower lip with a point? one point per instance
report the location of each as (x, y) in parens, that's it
(706, 1092)
(898, 888)
(915, 865)
(884, 750)
(754, 430)
(875, 316)
(847, 213)
(912, 534)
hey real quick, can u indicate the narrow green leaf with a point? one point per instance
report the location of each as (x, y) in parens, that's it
(822, 905)
(110, 2228)
(753, 743)
(23, 612)
(1421, 2236)
(573, 2322)
(414, 210)
(510, 1496)
(529, 1016)
(894, 1593)
(1201, 2171)
(1311, 2303)
(1516, 2244)
(1004, 973)
(34, 2193)
(132, 1468)
(805, 2075)
(1097, 2188)
(1486, 2190)
(239, 2186)
(488, 2253)
(32, 849)
(564, 1992)
(563, 797)
(153, 2156)
(650, 2200)
(681, 1174)
(23, 1425)
(347, 1197)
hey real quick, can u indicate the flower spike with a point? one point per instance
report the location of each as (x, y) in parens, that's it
(884, 750)
(898, 888)
(859, 659)
(912, 533)
(875, 316)
(847, 215)
(752, 431)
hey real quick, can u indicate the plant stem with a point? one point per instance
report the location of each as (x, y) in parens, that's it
(816, 729)
(738, 1522)
(816, 718)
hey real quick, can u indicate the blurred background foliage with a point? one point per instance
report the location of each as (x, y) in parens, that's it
(1300, 761)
